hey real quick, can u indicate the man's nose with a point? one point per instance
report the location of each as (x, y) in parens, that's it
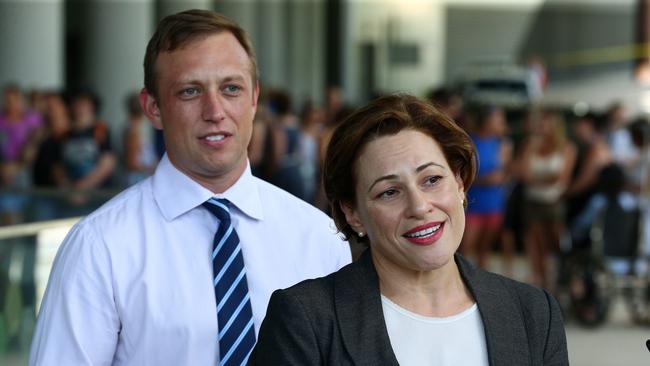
(212, 107)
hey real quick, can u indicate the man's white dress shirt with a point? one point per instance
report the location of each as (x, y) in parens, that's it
(132, 282)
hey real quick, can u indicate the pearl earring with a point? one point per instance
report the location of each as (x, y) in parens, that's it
(361, 234)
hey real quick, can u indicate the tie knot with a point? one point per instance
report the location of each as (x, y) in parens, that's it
(219, 207)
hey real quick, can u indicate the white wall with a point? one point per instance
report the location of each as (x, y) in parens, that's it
(382, 21)
(31, 39)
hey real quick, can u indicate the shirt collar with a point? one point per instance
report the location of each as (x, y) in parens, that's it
(175, 193)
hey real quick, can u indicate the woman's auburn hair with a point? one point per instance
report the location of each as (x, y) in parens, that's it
(385, 116)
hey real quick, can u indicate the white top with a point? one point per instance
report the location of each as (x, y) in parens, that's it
(132, 282)
(542, 167)
(419, 340)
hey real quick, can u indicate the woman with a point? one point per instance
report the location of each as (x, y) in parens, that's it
(396, 173)
(547, 163)
(487, 196)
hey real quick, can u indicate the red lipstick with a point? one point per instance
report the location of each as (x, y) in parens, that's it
(426, 234)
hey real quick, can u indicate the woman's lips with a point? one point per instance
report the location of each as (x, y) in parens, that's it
(426, 234)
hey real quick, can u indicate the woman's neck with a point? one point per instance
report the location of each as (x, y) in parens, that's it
(436, 293)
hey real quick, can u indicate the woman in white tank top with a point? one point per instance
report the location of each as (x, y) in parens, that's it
(546, 169)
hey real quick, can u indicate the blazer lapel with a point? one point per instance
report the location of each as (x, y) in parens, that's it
(361, 319)
(506, 338)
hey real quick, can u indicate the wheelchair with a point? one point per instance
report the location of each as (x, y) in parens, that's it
(608, 267)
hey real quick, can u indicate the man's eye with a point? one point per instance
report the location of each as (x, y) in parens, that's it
(232, 89)
(189, 92)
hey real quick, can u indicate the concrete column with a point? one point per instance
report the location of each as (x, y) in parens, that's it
(306, 51)
(272, 37)
(114, 36)
(244, 12)
(386, 28)
(168, 7)
(31, 38)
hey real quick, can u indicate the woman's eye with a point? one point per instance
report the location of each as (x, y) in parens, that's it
(388, 193)
(433, 180)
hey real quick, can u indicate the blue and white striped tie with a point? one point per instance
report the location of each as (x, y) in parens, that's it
(234, 312)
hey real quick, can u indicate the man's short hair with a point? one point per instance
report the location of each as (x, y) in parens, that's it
(178, 30)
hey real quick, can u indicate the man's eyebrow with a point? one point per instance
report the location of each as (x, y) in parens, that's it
(233, 78)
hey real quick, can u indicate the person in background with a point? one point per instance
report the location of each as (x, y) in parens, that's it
(396, 174)
(592, 156)
(57, 125)
(20, 130)
(86, 160)
(486, 198)
(287, 142)
(179, 268)
(618, 136)
(547, 162)
(638, 181)
(140, 156)
(335, 111)
(38, 101)
(312, 121)
(449, 102)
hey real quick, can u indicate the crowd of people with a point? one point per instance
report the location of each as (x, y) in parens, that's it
(398, 177)
(539, 168)
(53, 141)
(546, 176)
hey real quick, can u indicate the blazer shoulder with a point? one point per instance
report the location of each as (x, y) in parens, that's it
(528, 295)
(313, 290)
(320, 292)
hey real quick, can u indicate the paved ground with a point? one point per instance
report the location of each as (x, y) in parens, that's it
(618, 342)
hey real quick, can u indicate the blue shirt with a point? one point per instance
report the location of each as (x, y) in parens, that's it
(486, 199)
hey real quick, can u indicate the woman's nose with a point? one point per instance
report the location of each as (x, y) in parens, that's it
(418, 204)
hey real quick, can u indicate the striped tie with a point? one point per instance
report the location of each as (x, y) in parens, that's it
(234, 312)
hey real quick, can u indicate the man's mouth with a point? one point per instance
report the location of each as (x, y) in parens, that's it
(215, 137)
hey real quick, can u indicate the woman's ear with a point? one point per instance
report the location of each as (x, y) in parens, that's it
(351, 216)
(461, 185)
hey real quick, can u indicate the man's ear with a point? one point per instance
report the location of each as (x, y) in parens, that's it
(150, 108)
(352, 216)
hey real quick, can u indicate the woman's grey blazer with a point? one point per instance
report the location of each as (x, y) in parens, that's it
(338, 320)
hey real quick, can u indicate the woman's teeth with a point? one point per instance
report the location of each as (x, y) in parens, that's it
(425, 232)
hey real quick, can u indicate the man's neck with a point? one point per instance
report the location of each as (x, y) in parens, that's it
(216, 184)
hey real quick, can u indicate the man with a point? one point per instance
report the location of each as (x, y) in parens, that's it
(138, 281)
(85, 160)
